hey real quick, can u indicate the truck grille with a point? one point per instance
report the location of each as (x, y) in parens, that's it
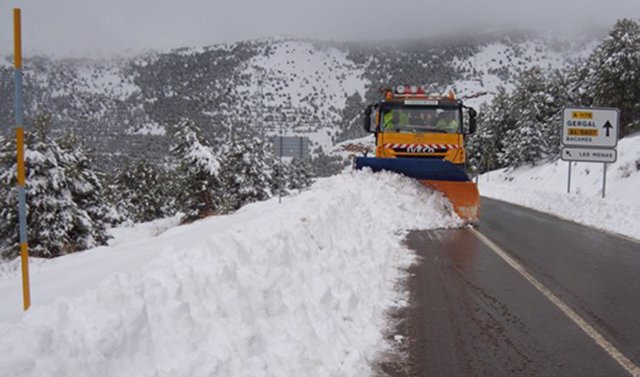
(420, 148)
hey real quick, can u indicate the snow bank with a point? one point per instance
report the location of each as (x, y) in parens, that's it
(120, 235)
(544, 188)
(127, 234)
(297, 289)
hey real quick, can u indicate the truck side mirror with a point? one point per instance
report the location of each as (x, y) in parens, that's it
(472, 120)
(367, 119)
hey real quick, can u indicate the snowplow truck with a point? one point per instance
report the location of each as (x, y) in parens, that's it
(422, 136)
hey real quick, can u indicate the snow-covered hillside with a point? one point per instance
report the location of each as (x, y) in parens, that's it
(124, 106)
(544, 187)
(292, 289)
(303, 82)
(497, 64)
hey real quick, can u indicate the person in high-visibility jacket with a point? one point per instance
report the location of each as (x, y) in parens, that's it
(448, 122)
(393, 119)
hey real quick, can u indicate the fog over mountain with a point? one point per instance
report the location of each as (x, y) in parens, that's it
(217, 64)
(127, 107)
(63, 27)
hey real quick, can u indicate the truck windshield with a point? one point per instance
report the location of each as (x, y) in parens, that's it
(421, 120)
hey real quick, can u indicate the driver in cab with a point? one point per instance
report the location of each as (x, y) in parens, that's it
(394, 119)
(447, 121)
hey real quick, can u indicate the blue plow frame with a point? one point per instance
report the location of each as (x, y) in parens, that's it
(423, 169)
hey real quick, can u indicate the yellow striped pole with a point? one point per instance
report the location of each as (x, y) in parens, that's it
(22, 197)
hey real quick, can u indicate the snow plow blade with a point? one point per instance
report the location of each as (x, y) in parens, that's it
(440, 175)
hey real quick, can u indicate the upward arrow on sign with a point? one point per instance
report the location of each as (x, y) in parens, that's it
(607, 126)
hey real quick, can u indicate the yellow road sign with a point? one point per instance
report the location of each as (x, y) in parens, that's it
(582, 132)
(581, 115)
(593, 127)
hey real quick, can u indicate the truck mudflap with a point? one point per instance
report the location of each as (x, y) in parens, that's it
(437, 174)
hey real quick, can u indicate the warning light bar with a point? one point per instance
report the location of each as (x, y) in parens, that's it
(406, 90)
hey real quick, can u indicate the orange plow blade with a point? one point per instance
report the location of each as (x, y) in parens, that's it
(463, 195)
(440, 175)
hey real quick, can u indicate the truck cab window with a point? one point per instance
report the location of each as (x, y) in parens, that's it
(421, 120)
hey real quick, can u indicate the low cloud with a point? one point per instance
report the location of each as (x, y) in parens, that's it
(89, 26)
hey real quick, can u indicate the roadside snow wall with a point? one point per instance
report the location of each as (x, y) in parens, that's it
(292, 289)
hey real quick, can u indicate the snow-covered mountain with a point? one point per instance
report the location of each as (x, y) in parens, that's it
(298, 87)
(499, 62)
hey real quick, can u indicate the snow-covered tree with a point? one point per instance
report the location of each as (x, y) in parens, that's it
(300, 175)
(558, 96)
(86, 187)
(351, 116)
(324, 165)
(198, 168)
(143, 192)
(522, 127)
(614, 73)
(65, 212)
(244, 176)
(535, 108)
(494, 121)
(524, 143)
(280, 173)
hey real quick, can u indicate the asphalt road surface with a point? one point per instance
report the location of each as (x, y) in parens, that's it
(526, 294)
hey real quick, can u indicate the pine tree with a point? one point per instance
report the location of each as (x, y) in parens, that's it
(614, 74)
(87, 189)
(494, 122)
(301, 175)
(198, 168)
(245, 171)
(524, 127)
(8, 199)
(63, 211)
(523, 143)
(324, 165)
(351, 116)
(280, 173)
(143, 192)
(535, 104)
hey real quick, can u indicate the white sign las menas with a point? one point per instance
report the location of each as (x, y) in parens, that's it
(608, 155)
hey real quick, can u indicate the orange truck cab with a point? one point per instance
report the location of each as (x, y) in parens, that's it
(422, 136)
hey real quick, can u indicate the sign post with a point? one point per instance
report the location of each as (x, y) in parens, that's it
(590, 134)
(281, 168)
(604, 178)
(22, 196)
(569, 179)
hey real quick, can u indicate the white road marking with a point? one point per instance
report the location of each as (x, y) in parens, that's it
(594, 334)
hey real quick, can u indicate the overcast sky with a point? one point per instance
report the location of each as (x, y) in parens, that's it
(62, 27)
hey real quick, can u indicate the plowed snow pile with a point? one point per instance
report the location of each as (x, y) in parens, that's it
(292, 289)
